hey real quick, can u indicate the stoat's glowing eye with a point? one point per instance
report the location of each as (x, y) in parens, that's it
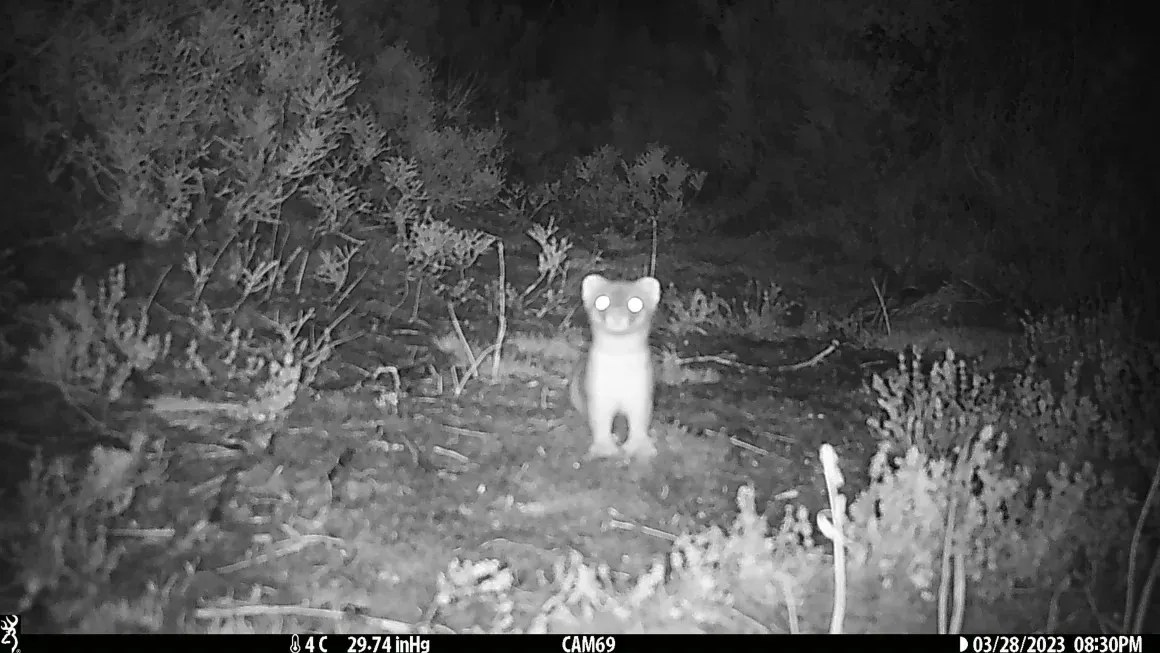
(635, 304)
(602, 302)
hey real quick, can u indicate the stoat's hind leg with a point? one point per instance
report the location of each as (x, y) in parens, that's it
(639, 445)
(600, 415)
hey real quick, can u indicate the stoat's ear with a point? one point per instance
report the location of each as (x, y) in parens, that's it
(650, 291)
(591, 287)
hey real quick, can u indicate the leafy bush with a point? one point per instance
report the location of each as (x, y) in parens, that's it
(88, 346)
(60, 540)
(229, 130)
(761, 312)
(459, 165)
(162, 109)
(605, 194)
(1076, 445)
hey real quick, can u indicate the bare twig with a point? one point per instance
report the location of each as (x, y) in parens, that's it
(418, 295)
(459, 332)
(834, 483)
(1106, 624)
(156, 289)
(818, 358)
(144, 533)
(502, 330)
(721, 359)
(471, 432)
(1146, 595)
(652, 267)
(293, 546)
(742, 444)
(454, 455)
(944, 581)
(1053, 607)
(728, 360)
(786, 583)
(960, 603)
(350, 288)
(388, 625)
(474, 369)
(882, 304)
(623, 525)
(1130, 608)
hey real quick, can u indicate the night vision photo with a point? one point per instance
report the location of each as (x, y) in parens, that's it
(362, 324)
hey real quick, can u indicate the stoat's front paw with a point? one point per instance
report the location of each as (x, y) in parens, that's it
(642, 449)
(603, 449)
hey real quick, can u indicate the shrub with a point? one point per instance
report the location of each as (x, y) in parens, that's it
(60, 539)
(1075, 448)
(89, 346)
(231, 125)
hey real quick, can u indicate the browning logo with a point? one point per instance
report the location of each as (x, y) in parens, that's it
(10, 630)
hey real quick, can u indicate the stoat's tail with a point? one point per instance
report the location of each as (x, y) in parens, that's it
(576, 384)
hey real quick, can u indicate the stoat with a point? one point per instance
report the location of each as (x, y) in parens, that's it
(616, 376)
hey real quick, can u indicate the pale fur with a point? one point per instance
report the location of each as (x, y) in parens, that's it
(617, 375)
